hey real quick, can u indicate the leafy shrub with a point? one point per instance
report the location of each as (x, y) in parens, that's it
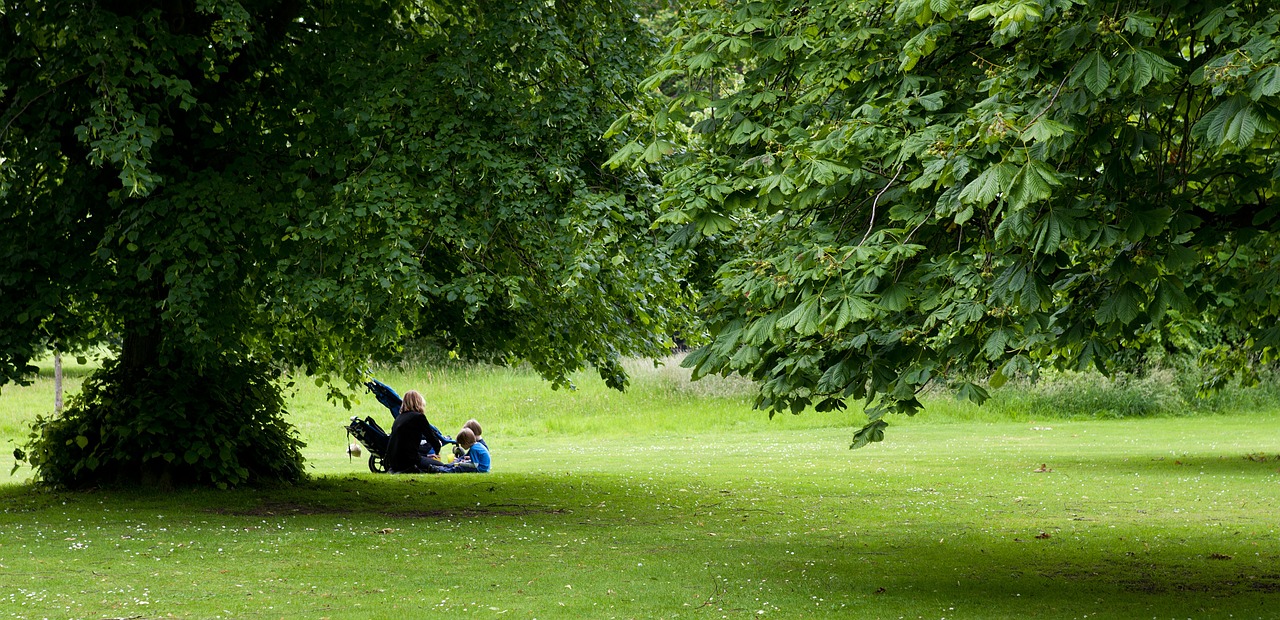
(220, 425)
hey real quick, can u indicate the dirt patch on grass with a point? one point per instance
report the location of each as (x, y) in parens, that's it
(1269, 584)
(275, 509)
(478, 511)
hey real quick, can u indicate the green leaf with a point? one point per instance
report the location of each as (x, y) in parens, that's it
(1034, 182)
(710, 223)
(1122, 306)
(82, 441)
(1223, 123)
(746, 357)
(695, 359)
(1055, 226)
(972, 392)
(658, 78)
(618, 126)
(983, 11)
(871, 433)
(990, 184)
(1094, 71)
(656, 150)
(946, 8)
(1148, 223)
(895, 297)
(1169, 295)
(1154, 67)
(1141, 71)
(1140, 23)
(624, 155)
(856, 308)
(761, 329)
(1044, 129)
(1178, 258)
(1243, 127)
(806, 310)
(1266, 83)
(835, 378)
(996, 343)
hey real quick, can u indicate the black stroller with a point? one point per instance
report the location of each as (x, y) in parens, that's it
(370, 434)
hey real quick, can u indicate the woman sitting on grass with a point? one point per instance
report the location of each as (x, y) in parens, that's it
(476, 456)
(408, 432)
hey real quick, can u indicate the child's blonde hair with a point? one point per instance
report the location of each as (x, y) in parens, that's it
(474, 426)
(413, 401)
(466, 438)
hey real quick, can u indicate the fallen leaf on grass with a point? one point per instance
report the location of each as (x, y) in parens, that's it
(1044, 469)
(1044, 535)
(1219, 556)
(386, 530)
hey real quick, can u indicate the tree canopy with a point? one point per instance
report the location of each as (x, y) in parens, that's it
(959, 192)
(216, 186)
(867, 197)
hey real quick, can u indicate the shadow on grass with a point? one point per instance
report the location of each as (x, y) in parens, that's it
(674, 540)
(518, 494)
(402, 496)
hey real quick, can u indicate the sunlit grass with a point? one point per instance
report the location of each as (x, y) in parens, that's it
(678, 500)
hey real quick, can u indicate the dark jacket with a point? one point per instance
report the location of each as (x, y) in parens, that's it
(407, 433)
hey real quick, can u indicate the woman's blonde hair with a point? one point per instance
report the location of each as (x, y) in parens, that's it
(466, 438)
(413, 401)
(474, 426)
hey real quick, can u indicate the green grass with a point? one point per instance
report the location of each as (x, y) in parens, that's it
(676, 500)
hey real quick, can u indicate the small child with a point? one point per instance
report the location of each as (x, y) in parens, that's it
(458, 453)
(475, 428)
(476, 459)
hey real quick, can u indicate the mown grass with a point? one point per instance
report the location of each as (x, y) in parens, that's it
(676, 500)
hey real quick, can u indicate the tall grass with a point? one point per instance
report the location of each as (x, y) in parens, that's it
(1158, 392)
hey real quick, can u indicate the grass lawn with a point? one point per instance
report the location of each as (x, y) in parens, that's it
(675, 500)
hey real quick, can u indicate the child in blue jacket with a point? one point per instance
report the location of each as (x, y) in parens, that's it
(477, 458)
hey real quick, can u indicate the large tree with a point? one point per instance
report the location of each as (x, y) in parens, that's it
(962, 191)
(229, 190)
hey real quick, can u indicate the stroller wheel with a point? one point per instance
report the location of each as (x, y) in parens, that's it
(376, 465)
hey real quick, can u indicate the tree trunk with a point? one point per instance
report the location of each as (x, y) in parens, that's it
(57, 381)
(141, 350)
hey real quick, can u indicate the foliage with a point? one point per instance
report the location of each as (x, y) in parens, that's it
(962, 191)
(130, 429)
(309, 184)
(531, 250)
